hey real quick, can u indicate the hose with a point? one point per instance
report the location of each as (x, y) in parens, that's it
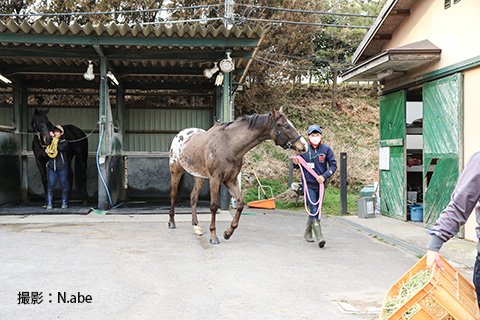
(98, 165)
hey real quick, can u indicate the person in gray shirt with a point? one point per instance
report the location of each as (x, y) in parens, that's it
(465, 198)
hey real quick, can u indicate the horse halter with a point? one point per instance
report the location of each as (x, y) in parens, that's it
(37, 133)
(288, 143)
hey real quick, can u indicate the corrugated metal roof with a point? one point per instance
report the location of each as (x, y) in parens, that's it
(48, 55)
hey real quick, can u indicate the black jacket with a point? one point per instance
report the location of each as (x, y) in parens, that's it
(60, 161)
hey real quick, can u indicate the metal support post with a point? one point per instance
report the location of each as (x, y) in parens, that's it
(343, 182)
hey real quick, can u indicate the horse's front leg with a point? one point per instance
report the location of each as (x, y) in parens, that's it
(193, 203)
(43, 174)
(234, 190)
(214, 186)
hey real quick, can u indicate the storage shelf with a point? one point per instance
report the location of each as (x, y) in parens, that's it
(420, 168)
(414, 130)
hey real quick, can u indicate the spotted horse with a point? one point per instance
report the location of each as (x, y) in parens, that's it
(217, 154)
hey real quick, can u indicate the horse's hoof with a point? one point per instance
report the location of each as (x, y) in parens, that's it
(226, 236)
(171, 225)
(197, 231)
(214, 241)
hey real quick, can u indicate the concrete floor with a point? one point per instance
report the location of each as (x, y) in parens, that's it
(134, 267)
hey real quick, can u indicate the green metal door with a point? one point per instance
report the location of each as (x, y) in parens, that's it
(442, 136)
(392, 138)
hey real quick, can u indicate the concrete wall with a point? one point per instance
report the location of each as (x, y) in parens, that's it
(10, 168)
(449, 29)
(149, 177)
(471, 127)
(35, 188)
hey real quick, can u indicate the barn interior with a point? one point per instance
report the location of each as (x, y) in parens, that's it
(131, 89)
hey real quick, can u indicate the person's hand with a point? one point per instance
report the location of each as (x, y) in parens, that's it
(295, 160)
(433, 257)
(320, 179)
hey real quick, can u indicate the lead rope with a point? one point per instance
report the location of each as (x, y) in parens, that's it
(304, 164)
(52, 150)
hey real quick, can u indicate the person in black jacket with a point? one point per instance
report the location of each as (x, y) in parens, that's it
(57, 166)
(321, 159)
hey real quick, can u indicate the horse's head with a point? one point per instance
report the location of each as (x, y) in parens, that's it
(285, 134)
(42, 126)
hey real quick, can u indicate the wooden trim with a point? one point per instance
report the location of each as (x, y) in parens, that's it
(435, 75)
(391, 143)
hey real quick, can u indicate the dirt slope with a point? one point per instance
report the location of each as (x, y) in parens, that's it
(351, 127)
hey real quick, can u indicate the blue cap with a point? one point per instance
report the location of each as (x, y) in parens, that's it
(314, 127)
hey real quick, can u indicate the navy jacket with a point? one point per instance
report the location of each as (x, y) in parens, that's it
(324, 161)
(60, 161)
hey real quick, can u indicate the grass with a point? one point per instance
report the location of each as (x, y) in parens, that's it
(331, 204)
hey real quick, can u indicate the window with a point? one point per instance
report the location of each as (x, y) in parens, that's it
(447, 4)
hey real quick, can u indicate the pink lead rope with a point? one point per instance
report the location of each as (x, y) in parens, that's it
(304, 164)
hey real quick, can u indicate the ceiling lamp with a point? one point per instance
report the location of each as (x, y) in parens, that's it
(111, 76)
(88, 75)
(5, 79)
(219, 79)
(208, 73)
(227, 65)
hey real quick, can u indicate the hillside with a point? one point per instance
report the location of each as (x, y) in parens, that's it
(352, 127)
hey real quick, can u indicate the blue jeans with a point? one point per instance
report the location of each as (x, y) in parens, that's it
(476, 277)
(62, 176)
(314, 194)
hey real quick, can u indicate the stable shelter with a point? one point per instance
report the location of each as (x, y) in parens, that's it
(428, 68)
(148, 83)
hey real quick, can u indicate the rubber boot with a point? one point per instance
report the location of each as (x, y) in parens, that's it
(318, 233)
(308, 231)
(64, 200)
(49, 200)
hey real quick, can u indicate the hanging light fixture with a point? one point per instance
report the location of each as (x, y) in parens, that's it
(112, 77)
(208, 73)
(89, 75)
(5, 79)
(219, 79)
(227, 65)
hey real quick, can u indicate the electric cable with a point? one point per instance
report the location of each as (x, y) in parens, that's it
(306, 11)
(308, 23)
(298, 57)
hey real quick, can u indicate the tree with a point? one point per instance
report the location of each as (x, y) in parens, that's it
(335, 46)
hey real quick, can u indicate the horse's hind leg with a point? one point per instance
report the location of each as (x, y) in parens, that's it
(234, 190)
(70, 156)
(81, 174)
(193, 203)
(214, 186)
(176, 172)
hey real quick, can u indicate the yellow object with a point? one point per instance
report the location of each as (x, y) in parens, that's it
(447, 295)
(52, 150)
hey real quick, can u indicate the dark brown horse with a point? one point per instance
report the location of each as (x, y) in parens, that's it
(78, 149)
(217, 154)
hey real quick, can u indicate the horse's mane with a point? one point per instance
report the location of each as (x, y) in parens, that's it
(255, 121)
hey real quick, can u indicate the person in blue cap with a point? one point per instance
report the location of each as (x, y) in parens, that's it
(321, 159)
